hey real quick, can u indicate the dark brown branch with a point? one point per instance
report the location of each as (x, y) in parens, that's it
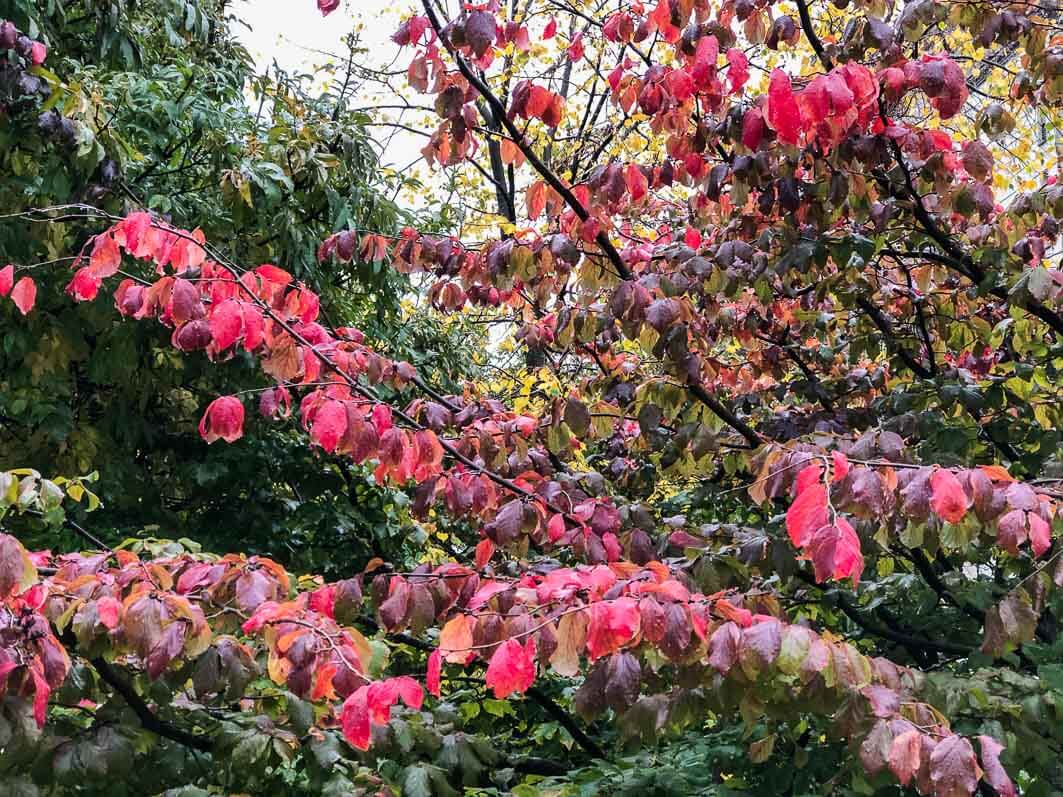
(565, 720)
(924, 330)
(959, 260)
(148, 719)
(884, 326)
(911, 643)
(930, 576)
(810, 34)
(499, 112)
(728, 417)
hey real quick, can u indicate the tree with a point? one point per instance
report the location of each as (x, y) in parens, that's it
(785, 471)
(168, 127)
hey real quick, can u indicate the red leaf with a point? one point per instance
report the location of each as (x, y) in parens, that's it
(169, 646)
(904, 756)
(41, 690)
(354, 719)
(753, 128)
(836, 552)
(329, 425)
(948, 500)
(806, 514)
(738, 71)
(884, 702)
(456, 638)
(226, 322)
(24, 295)
(109, 610)
(612, 625)
(326, 7)
(223, 420)
(372, 703)
(575, 49)
(723, 647)
(85, 285)
(106, 256)
(550, 30)
(7, 279)
(637, 184)
(512, 668)
(783, 113)
(485, 549)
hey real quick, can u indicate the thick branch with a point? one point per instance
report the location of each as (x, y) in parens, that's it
(150, 722)
(884, 326)
(810, 34)
(959, 260)
(911, 643)
(905, 640)
(930, 576)
(566, 721)
(728, 417)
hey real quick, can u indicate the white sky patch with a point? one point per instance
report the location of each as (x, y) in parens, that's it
(295, 35)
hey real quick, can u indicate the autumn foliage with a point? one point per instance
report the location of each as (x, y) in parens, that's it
(805, 265)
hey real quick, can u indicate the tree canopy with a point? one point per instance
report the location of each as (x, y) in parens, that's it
(706, 440)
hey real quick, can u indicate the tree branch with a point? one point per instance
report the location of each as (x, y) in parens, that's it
(810, 34)
(532, 157)
(726, 415)
(147, 719)
(884, 326)
(548, 704)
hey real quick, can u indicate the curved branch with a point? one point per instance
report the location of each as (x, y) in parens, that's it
(813, 38)
(148, 719)
(883, 325)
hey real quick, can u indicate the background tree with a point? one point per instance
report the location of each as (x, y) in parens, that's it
(153, 113)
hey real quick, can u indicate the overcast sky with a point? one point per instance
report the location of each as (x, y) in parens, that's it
(294, 33)
(288, 30)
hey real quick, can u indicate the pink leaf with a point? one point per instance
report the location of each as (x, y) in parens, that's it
(806, 514)
(223, 420)
(226, 322)
(24, 295)
(995, 775)
(836, 552)
(738, 71)
(435, 666)
(612, 624)
(1040, 534)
